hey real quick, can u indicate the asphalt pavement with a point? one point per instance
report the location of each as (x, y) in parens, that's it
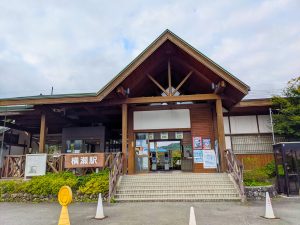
(230, 213)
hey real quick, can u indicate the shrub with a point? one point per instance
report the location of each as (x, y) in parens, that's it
(49, 184)
(270, 169)
(256, 175)
(11, 186)
(95, 183)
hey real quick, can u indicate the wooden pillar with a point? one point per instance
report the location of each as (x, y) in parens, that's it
(42, 134)
(124, 136)
(131, 152)
(221, 134)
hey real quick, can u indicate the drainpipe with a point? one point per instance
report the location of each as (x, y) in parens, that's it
(272, 127)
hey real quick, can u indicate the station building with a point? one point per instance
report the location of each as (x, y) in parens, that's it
(167, 108)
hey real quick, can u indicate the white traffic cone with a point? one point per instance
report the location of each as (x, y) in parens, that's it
(99, 212)
(192, 217)
(269, 214)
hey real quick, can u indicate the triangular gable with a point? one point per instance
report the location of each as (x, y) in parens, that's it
(168, 35)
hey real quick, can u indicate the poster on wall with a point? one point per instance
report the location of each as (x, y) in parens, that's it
(178, 135)
(164, 135)
(206, 144)
(197, 143)
(35, 165)
(209, 159)
(198, 156)
(188, 151)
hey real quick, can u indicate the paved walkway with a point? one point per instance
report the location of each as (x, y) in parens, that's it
(153, 213)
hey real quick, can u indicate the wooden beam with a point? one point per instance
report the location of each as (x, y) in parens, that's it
(157, 84)
(220, 87)
(169, 78)
(197, 72)
(182, 82)
(221, 133)
(161, 99)
(42, 133)
(48, 100)
(124, 136)
(131, 152)
(266, 102)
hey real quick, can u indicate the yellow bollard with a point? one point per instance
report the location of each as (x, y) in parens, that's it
(64, 198)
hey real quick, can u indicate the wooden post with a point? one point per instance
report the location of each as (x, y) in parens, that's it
(221, 135)
(124, 136)
(42, 134)
(131, 152)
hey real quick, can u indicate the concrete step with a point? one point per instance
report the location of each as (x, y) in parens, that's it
(183, 187)
(183, 191)
(176, 187)
(175, 183)
(179, 199)
(176, 179)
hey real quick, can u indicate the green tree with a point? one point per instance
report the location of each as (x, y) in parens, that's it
(287, 115)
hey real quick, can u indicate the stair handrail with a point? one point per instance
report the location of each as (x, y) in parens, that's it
(235, 168)
(115, 170)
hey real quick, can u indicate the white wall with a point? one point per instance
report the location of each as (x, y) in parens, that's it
(226, 125)
(247, 124)
(161, 119)
(227, 142)
(243, 124)
(264, 123)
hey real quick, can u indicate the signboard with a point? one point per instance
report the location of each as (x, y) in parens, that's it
(35, 165)
(84, 160)
(209, 159)
(197, 143)
(198, 156)
(178, 135)
(151, 136)
(164, 135)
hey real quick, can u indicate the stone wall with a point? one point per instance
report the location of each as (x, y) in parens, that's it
(24, 197)
(259, 193)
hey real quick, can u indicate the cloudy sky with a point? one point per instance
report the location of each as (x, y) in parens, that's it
(78, 46)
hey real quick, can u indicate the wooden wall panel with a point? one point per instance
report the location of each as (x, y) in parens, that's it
(253, 161)
(202, 125)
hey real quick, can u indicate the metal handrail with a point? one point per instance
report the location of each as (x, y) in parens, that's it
(235, 168)
(116, 169)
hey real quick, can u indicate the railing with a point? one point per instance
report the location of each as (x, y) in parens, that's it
(109, 157)
(14, 166)
(55, 163)
(235, 168)
(116, 170)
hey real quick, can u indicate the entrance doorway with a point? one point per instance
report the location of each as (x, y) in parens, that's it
(165, 155)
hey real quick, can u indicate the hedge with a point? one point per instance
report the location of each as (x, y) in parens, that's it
(50, 184)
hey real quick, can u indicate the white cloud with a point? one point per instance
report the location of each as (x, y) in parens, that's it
(78, 46)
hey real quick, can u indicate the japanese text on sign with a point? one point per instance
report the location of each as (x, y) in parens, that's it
(84, 160)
